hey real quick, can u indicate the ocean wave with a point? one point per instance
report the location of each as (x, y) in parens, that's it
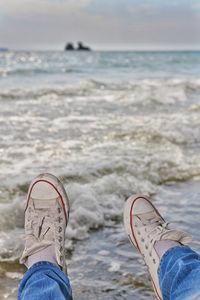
(97, 190)
(37, 71)
(151, 90)
(104, 146)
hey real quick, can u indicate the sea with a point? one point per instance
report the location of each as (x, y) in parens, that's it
(109, 124)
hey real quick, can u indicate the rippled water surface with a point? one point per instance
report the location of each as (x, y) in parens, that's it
(109, 125)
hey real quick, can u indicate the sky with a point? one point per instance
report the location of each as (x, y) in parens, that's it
(101, 24)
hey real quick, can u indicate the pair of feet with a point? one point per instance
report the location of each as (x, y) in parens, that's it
(47, 214)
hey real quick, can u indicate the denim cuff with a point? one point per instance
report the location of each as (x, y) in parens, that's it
(42, 270)
(39, 265)
(43, 263)
(173, 249)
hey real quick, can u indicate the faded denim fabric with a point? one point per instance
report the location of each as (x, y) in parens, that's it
(179, 274)
(45, 281)
(179, 278)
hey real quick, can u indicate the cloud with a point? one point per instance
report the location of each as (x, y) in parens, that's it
(116, 23)
(42, 6)
(141, 8)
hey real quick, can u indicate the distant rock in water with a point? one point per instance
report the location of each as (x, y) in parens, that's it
(3, 49)
(80, 47)
(69, 46)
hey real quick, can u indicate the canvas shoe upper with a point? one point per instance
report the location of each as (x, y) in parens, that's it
(46, 218)
(144, 226)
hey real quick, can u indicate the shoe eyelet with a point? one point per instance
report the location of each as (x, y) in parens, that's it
(154, 261)
(60, 239)
(142, 240)
(59, 220)
(61, 248)
(138, 232)
(59, 229)
(146, 247)
(59, 210)
(150, 254)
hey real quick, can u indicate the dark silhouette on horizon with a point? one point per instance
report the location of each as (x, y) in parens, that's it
(3, 49)
(69, 46)
(80, 47)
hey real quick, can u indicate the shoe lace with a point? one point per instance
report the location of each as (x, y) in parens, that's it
(155, 228)
(39, 225)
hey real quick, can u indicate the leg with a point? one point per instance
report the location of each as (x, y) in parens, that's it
(179, 274)
(44, 280)
(46, 218)
(151, 235)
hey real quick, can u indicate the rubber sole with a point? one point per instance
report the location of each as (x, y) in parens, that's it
(128, 212)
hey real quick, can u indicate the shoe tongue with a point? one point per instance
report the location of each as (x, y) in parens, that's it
(177, 236)
(44, 203)
(148, 216)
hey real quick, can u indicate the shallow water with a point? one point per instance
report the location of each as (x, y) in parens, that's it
(105, 264)
(109, 125)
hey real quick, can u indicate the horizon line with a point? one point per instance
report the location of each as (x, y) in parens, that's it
(6, 49)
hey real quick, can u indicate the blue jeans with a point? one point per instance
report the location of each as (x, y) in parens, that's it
(179, 274)
(179, 278)
(45, 281)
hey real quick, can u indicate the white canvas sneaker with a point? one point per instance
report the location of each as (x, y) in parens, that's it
(144, 226)
(46, 218)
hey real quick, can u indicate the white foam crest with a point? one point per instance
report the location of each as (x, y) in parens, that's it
(97, 187)
(11, 245)
(11, 214)
(176, 128)
(100, 202)
(159, 92)
(155, 90)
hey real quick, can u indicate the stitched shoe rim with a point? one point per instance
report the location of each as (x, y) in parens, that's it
(128, 212)
(63, 201)
(128, 208)
(56, 184)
